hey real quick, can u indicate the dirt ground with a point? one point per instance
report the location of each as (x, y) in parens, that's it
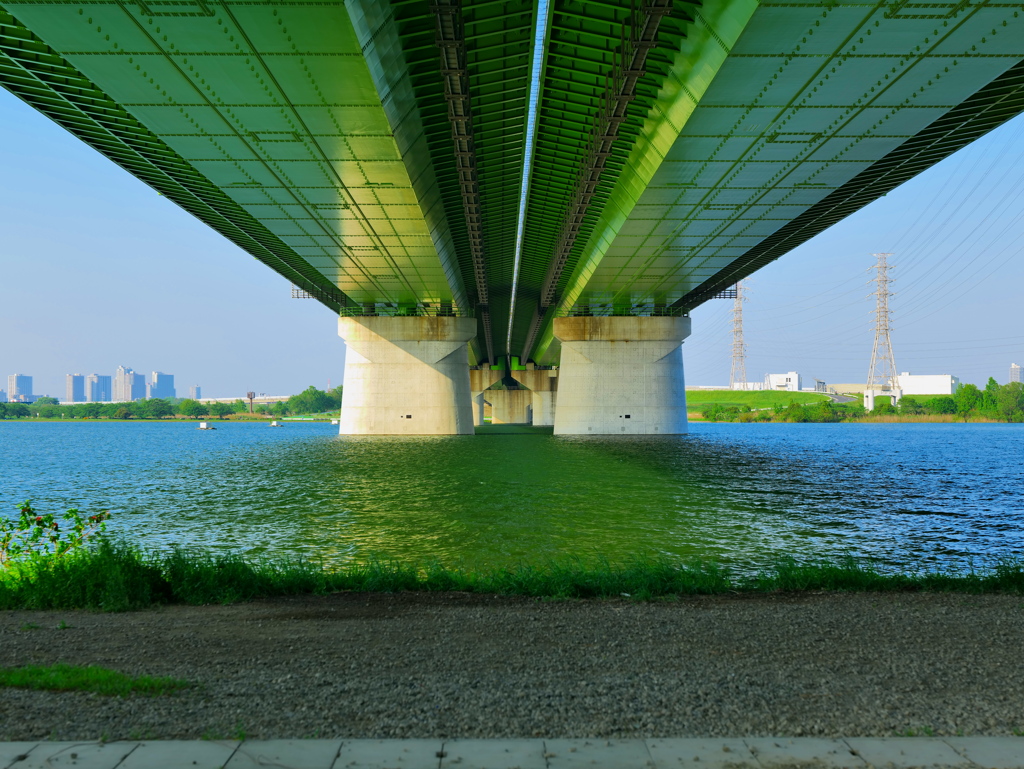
(457, 665)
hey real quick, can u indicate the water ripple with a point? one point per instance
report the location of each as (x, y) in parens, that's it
(949, 494)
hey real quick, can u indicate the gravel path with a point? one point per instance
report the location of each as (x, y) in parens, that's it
(458, 666)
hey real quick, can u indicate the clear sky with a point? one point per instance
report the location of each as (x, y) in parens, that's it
(97, 270)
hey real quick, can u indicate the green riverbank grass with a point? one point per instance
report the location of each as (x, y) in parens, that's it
(73, 678)
(119, 577)
(698, 400)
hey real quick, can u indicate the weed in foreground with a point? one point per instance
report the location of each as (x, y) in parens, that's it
(74, 678)
(924, 731)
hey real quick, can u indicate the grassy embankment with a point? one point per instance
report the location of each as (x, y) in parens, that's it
(700, 400)
(119, 577)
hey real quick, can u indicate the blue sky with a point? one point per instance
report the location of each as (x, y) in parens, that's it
(99, 271)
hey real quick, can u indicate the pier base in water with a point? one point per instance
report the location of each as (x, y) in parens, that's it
(621, 376)
(406, 376)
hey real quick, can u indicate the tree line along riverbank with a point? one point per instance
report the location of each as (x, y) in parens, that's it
(994, 403)
(310, 401)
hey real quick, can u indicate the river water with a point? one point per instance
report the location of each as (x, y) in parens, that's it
(906, 494)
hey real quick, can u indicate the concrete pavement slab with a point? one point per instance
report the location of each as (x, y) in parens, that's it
(494, 754)
(181, 754)
(906, 751)
(285, 754)
(698, 752)
(784, 751)
(13, 751)
(990, 752)
(81, 755)
(390, 754)
(607, 754)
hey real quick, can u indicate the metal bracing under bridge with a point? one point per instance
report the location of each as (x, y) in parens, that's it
(373, 151)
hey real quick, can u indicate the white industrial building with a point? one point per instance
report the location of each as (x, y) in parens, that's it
(789, 381)
(928, 384)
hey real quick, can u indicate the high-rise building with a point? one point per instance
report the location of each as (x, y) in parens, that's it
(122, 387)
(128, 386)
(3, 397)
(19, 388)
(1015, 374)
(74, 389)
(160, 386)
(97, 388)
(138, 387)
(195, 392)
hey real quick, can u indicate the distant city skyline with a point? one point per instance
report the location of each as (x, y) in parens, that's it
(124, 386)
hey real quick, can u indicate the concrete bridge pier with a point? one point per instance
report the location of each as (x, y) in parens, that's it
(478, 408)
(480, 379)
(621, 376)
(889, 394)
(543, 387)
(544, 406)
(406, 375)
(510, 407)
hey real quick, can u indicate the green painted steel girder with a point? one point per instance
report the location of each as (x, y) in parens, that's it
(372, 151)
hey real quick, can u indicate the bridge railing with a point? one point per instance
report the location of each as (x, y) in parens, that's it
(384, 309)
(608, 310)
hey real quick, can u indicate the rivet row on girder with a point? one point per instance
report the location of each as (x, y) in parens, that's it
(620, 92)
(451, 42)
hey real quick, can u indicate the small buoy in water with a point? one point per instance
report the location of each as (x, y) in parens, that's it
(335, 421)
(275, 423)
(205, 426)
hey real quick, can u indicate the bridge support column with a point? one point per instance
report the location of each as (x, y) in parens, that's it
(621, 376)
(480, 378)
(478, 408)
(891, 395)
(543, 387)
(510, 407)
(544, 407)
(406, 376)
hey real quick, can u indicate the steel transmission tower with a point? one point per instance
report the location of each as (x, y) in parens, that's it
(738, 375)
(882, 375)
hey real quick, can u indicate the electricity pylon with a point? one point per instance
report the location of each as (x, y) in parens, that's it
(882, 376)
(738, 375)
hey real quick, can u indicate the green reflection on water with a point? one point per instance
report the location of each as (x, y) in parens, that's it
(743, 494)
(507, 495)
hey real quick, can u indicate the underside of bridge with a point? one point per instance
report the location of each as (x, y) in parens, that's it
(507, 168)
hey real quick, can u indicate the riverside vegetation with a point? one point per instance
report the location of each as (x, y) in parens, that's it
(1000, 403)
(85, 570)
(309, 401)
